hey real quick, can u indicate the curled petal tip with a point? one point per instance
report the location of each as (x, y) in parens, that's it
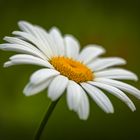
(7, 64)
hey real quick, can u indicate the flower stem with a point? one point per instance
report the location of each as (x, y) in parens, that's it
(45, 119)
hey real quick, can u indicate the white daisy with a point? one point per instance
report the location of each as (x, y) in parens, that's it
(66, 68)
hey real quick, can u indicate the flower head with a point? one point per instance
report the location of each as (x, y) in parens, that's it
(65, 67)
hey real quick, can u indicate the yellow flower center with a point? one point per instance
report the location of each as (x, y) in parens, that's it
(72, 69)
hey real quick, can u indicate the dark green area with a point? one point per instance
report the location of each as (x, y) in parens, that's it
(114, 24)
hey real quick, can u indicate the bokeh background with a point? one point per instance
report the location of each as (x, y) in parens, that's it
(114, 24)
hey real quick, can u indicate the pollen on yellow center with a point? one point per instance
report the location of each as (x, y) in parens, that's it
(72, 69)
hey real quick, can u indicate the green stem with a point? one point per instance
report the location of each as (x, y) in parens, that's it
(45, 119)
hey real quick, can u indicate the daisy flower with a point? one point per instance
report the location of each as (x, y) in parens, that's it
(66, 68)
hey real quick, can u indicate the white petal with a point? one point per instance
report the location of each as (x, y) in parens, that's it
(42, 75)
(72, 46)
(73, 95)
(8, 64)
(21, 49)
(27, 27)
(121, 85)
(116, 73)
(32, 89)
(39, 33)
(15, 40)
(99, 97)
(58, 39)
(83, 110)
(46, 40)
(44, 49)
(116, 92)
(103, 63)
(29, 59)
(90, 52)
(57, 87)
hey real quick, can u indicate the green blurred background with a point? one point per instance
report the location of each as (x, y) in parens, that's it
(112, 24)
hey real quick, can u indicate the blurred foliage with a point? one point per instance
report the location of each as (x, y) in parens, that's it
(113, 24)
